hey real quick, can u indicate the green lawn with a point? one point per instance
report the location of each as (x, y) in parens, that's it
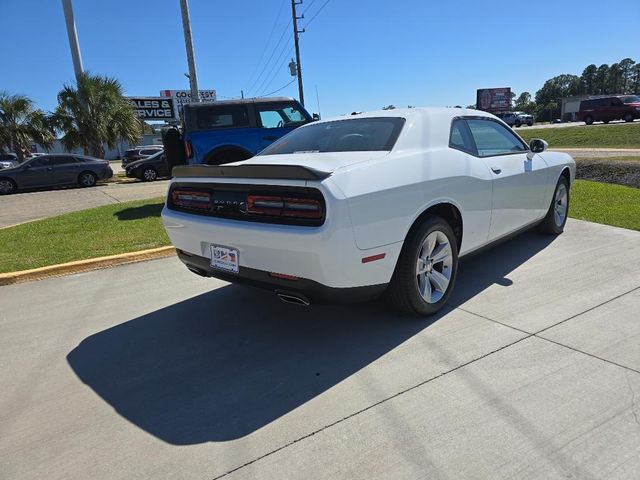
(596, 136)
(96, 232)
(132, 226)
(597, 202)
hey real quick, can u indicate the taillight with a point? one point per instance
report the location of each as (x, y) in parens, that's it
(188, 148)
(284, 206)
(191, 199)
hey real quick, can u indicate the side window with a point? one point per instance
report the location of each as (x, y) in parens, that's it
(492, 138)
(270, 119)
(149, 151)
(459, 137)
(62, 160)
(222, 116)
(40, 162)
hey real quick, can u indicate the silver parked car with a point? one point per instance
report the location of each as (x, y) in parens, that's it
(516, 119)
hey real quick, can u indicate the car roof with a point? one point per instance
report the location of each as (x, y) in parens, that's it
(242, 101)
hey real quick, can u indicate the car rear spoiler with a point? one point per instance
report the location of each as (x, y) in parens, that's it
(280, 172)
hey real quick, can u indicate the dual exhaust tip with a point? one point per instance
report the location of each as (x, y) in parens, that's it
(293, 298)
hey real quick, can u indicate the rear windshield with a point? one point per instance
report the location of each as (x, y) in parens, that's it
(353, 135)
(631, 99)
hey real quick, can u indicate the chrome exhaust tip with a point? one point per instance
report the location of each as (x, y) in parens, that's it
(293, 298)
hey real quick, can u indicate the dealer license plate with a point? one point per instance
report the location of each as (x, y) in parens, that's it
(224, 258)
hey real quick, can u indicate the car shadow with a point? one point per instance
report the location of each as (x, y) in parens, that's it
(221, 365)
(137, 213)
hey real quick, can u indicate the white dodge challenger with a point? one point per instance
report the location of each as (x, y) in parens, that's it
(379, 202)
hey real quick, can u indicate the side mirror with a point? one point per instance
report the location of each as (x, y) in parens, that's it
(537, 145)
(316, 117)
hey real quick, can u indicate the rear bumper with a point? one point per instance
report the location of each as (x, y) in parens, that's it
(313, 291)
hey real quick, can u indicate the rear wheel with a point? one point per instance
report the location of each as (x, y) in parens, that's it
(426, 270)
(558, 212)
(7, 186)
(149, 174)
(588, 120)
(87, 179)
(628, 117)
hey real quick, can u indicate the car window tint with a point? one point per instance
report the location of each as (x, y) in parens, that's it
(457, 137)
(223, 116)
(492, 138)
(353, 135)
(40, 162)
(62, 160)
(149, 151)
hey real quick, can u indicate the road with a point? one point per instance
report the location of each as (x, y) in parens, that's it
(148, 371)
(24, 207)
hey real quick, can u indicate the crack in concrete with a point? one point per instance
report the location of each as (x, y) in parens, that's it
(633, 399)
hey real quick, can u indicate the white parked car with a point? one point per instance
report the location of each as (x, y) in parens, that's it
(380, 202)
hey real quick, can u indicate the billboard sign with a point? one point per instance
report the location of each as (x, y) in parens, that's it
(493, 99)
(153, 108)
(182, 97)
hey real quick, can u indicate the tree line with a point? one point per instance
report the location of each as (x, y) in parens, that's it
(619, 78)
(91, 114)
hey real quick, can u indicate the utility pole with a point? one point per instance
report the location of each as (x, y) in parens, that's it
(188, 43)
(73, 38)
(295, 40)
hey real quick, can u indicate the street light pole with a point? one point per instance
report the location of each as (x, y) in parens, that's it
(188, 43)
(73, 38)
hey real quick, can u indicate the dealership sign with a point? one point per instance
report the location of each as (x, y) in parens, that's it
(182, 97)
(493, 99)
(153, 108)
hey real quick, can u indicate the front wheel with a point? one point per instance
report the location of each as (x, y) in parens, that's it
(588, 120)
(7, 186)
(426, 270)
(518, 124)
(87, 179)
(556, 218)
(628, 117)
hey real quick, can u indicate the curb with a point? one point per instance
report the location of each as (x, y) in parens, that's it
(85, 265)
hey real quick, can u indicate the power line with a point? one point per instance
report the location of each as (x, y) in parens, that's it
(266, 45)
(286, 29)
(273, 73)
(316, 14)
(281, 88)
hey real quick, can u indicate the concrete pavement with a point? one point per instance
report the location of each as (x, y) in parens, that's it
(148, 371)
(24, 207)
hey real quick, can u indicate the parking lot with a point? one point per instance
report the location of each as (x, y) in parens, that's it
(148, 371)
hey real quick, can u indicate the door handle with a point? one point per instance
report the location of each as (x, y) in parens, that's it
(497, 171)
(270, 137)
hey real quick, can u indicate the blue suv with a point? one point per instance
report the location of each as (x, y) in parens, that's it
(229, 131)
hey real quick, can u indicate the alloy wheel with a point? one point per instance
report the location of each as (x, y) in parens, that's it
(560, 205)
(434, 266)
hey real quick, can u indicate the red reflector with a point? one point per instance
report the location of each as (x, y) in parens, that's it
(373, 258)
(282, 276)
(188, 149)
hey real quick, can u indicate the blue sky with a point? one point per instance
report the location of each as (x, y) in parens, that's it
(362, 54)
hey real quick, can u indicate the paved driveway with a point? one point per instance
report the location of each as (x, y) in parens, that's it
(147, 371)
(24, 207)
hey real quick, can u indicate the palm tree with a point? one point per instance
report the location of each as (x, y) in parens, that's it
(93, 114)
(21, 124)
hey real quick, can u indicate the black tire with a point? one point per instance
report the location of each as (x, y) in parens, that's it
(605, 121)
(628, 117)
(7, 186)
(226, 156)
(518, 124)
(149, 174)
(87, 179)
(403, 290)
(530, 124)
(588, 120)
(551, 224)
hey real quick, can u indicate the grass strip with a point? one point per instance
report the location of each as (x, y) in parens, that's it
(625, 135)
(96, 232)
(597, 202)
